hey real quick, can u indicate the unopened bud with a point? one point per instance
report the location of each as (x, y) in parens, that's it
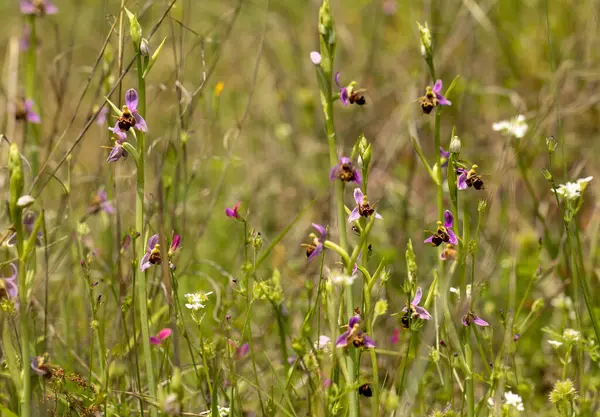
(15, 167)
(551, 142)
(547, 174)
(455, 145)
(425, 40)
(326, 29)
(135, 29)
(537, 305)
(145, 48)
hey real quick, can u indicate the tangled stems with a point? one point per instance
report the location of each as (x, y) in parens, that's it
(139, 226)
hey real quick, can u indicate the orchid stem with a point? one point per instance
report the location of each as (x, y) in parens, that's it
(139, 225)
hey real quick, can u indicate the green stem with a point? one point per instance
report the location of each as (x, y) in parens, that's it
(23, 304)
(139, 225)
(327, 101)
(469, 382)
(30, 70)
(581, 278)
(438, 172)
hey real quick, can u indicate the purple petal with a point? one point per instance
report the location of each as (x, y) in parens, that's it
(140, 123)
(176, 243)
(342, 340)
(354, 320)
(131, 100)
(378, 216)
(164, 333)
(27, 7)
(357, 178)
(354, 268)
(118, 132)
(155, 340)
(480, 322)
(369, 343)
(423, 314)
(333, 173)
(443, 101)
(418, 296)
(453, 239)
(344, 96)
(337, 79)
(464, 320)
(145, 262)
(15, 272)
(345, 160)
(242, 351)
(33, 117)
(405, 309)
(358, 196)
(115, 153)
(428, 240)
(320, 228)
(152, 241)
(108, 208)
(437, 87)
(462, 181)
(354, 216)
(448, 219)
(101, 119)
(316, 252)
(229, 212)
(50, 8)
(443, 153)
(395, 338)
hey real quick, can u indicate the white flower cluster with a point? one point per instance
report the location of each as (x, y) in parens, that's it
(516, 127)
(196, 301)
(572, 190)
(340, 278)
(510, 400)
(514, 400)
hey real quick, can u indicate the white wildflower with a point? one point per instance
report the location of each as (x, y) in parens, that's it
(322, 343)
(572, 190)
(516, 127)
(555, 343)
(571, 335)
(490, 401)
(341, 278)
(514, 400)
(455, 291)
(468, 290)
(196, 301)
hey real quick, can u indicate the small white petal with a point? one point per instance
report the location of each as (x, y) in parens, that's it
(25, 201)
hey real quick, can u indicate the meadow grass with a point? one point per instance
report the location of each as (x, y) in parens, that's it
(290, 215)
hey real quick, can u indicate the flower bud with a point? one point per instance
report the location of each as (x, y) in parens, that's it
(552, 143)
(381, 307)
(537, 305)
(547, 174)
(425, 40)
(326, 29)
(25, 201)
(135, 29)
(564, 392)
(15, 167)
(145, 48)
(455, 145)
